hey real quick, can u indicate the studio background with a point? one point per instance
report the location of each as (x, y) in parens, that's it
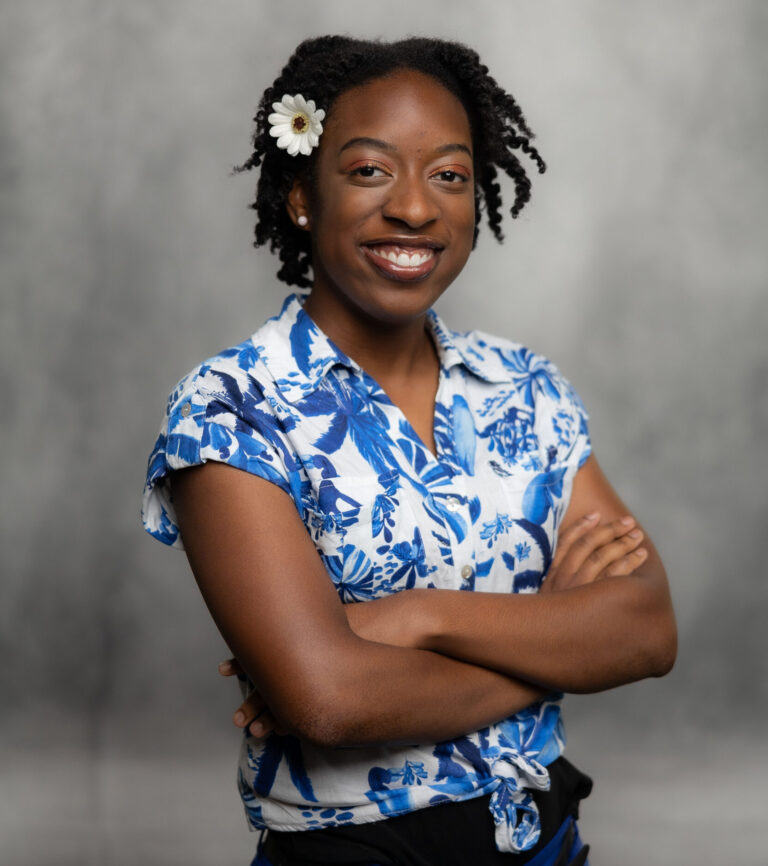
(125, 259)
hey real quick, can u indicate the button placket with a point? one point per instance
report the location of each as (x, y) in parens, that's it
(464, 551)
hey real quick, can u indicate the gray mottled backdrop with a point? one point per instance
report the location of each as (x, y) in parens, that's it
(639, 267)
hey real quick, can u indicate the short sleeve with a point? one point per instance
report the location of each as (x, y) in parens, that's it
(568, 434)
(202, 425)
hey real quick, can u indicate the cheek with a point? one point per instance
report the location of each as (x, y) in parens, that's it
(464, 221)
(341, 214)
(335, 252)
(463, 210)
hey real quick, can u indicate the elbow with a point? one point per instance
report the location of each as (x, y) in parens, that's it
(326, 699)
(664, 653)
(321, 725)
(322, 715)
(655, 652)
(647, 649)
(655, 631)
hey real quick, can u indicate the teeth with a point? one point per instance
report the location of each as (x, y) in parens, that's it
(403, 259)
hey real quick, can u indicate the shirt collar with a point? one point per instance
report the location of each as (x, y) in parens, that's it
(467, 350)
(296, 352)
(299, 355)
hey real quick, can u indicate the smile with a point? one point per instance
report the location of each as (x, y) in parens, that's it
(400, 262)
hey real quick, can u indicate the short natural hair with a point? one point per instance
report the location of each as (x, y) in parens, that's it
(323, 68)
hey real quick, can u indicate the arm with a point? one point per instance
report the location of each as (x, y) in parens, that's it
(271, 598)
(587, 637)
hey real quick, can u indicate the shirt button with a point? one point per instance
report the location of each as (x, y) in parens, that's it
(466, 572)
(186, 409)
(452, 503)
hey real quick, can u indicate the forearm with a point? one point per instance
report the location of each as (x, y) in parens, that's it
(387, 694)
(583, 639)
(274, 605)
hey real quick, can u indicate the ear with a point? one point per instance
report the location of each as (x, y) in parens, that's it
(297, 204)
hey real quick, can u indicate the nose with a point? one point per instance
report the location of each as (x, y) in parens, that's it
(411, 201)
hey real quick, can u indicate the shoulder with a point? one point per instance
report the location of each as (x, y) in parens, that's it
(488, 349)
(524, 391)
(226, 376)
(506, 360)
(281, 359)
(226, 408)
(223, 411)
(241, 373)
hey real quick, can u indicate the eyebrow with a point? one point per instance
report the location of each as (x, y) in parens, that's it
(386, 145)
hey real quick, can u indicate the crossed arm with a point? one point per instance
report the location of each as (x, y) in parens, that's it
(422, 665)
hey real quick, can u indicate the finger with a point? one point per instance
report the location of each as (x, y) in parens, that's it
(252, 707)
(573, 533)
(627, 564)
(263, 725)
(601, 558)
(231, 667)
(591, 541)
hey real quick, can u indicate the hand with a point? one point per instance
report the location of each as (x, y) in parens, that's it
(253, 713)
(589, 551)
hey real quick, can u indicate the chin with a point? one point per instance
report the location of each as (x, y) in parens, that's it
(398, 303)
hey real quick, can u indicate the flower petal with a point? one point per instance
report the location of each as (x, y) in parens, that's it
(282, 122)
(282, 109)
(285, 140)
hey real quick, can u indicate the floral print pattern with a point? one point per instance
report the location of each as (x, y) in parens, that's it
(385, 514)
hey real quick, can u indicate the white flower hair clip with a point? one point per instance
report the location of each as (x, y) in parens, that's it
(296, 124)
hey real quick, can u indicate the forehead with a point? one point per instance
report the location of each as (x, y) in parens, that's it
(403, 105)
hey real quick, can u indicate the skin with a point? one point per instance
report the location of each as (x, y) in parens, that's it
(394, 167)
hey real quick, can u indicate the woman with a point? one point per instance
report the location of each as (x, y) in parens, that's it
(437, 478)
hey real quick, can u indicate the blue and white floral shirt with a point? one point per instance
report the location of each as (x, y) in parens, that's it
(386, 515)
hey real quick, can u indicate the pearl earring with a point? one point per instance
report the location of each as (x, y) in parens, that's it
(302, 220)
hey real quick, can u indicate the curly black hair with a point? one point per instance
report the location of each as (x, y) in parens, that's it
(323, 68)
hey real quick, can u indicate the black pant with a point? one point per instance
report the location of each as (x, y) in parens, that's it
(449, 834)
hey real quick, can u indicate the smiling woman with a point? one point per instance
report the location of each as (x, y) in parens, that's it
(399, 529)
(393, 208)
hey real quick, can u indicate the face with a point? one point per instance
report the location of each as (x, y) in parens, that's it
(391, 210)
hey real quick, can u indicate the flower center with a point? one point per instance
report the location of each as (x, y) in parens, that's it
(300, 123)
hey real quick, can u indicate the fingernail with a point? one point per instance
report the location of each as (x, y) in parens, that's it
(641, 551)
(256, 729)
(225, 666)
(593, 516)
(239, 718)
(636, 533)
(627, 521)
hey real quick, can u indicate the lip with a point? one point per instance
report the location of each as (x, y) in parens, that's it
(403, 273)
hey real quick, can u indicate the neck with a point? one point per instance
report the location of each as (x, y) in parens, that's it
(388, 351)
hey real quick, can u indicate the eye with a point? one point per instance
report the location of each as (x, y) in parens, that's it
(368, 170)
(451, 176)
